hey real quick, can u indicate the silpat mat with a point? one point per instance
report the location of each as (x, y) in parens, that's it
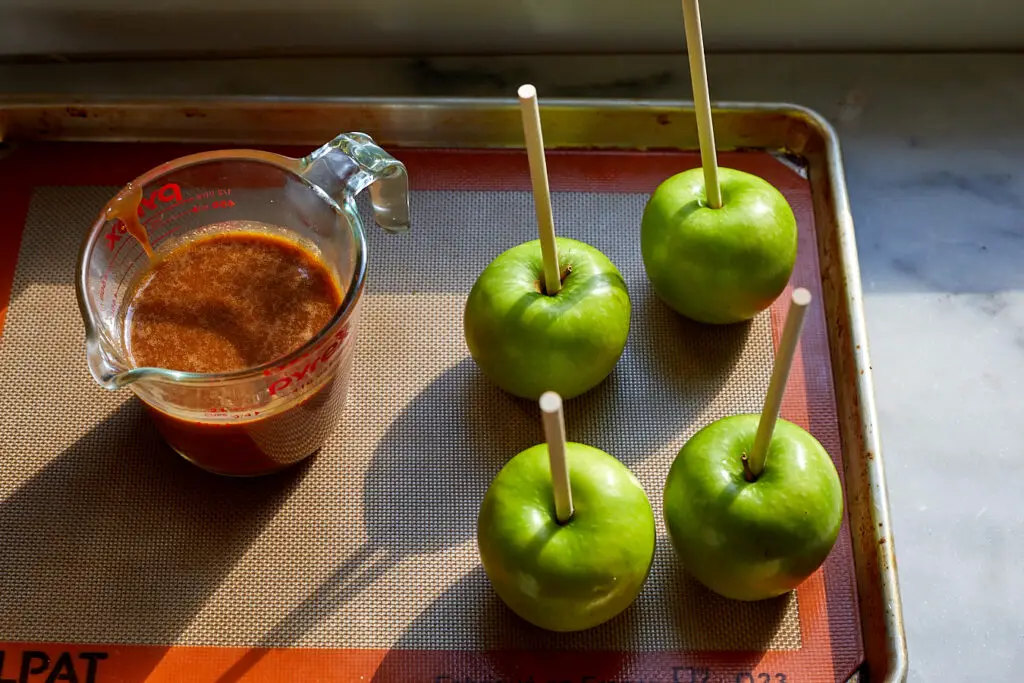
(119, 561)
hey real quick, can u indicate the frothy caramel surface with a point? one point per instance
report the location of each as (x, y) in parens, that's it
(228, 301)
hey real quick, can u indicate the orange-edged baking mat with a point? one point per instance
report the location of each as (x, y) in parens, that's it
(121, 562)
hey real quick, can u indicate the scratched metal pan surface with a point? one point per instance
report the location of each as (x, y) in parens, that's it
(797, 136)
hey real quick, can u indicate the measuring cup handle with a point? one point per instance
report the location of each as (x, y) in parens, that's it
(349, 164)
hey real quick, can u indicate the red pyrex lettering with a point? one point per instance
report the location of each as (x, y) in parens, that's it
(168, 194)
(340, 337)
(282, 383)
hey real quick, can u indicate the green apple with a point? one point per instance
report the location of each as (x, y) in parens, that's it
(752, 540)
(572, 576)
(527, 342)
(720, 265)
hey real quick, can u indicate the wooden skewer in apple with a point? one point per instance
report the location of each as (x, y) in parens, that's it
(559, 566)
(753, 503)
(550, 314)
(718, 244)
(530, 110)
(702, 101)
(753, 464)
(554, 435)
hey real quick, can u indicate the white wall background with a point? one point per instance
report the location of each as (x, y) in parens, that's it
(40, 27)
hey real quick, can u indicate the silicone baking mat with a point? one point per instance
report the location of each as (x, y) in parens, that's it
(121, 562)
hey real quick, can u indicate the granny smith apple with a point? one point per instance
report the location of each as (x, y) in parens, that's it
(721, 265)
(752, 540)
(572, 576)
(528, 342)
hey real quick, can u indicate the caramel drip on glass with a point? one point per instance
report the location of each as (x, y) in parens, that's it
(125, 208)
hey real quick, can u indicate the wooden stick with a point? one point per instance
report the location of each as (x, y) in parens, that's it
(754, 464)
(702, 101)
(541, 189)
(554, 434)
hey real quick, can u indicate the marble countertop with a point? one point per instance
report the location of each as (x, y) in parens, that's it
(934, 155)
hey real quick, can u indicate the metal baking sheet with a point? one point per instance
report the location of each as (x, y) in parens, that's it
(795, 137)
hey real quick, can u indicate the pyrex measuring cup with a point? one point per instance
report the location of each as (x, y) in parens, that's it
(260, 419)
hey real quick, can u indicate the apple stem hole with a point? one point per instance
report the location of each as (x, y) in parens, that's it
(539, 286)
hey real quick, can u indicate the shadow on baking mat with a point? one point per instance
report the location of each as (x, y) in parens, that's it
(511, 649)
(421, 492)
(455, 435)
(76, 569)
(673, 375)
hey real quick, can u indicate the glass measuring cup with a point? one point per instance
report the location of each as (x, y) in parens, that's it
(259, 419)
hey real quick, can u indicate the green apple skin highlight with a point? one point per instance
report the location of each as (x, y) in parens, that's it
(720, 265)
(527, 342)
(573, 576)
(752, 540)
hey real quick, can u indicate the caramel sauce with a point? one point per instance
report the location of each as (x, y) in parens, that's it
(236, 297)
(228, 301)
(125, 208)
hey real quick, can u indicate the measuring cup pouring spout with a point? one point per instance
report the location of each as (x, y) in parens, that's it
(288, 406)
(106, 366)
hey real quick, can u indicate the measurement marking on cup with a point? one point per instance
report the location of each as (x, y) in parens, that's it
(171, 195)
(219, 204)
(113, 236)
